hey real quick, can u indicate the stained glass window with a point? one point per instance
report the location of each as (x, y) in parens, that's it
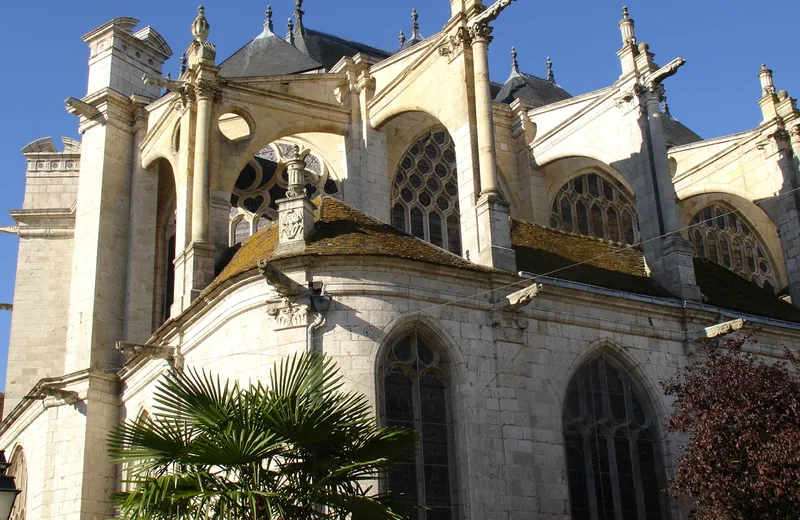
(425, 192)
(607, 201)
(416, 397)
(721, 235)
(611, 449)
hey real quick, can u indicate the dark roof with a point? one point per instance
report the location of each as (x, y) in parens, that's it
(537, 92)
(542, 250)
(342, 230)
(725, 288)
(328, 49)
(267, 55)
(676, 133)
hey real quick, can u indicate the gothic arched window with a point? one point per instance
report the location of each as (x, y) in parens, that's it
(721, 235)
(263, 181)
(611, 446)
(415, 396)
(425, 192)
(594, 206)
(19, 470)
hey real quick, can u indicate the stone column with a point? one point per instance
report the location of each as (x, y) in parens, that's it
(666, 190)
(668, 253)
(200, 185)
(494, 229)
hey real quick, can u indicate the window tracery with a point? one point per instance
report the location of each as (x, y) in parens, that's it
(611, 446)
(595, 206)
(264, 181)
(19, 470)
(721, 235)
(425, 192)
(416, 397)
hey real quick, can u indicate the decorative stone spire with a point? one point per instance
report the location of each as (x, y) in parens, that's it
(767, 86)
(514, 63)
(415, 35)
(268, 20)
(200, 26)
(550, 76)
(298, 13)
(290, 32)
(184, 63)
(402, 38)
(626, 27)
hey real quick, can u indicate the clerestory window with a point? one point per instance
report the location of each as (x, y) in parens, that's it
(425, 192)
(721, 235)
(611, 447)
(416, 397)
(594, 206)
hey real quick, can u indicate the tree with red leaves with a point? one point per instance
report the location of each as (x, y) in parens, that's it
(742, 418)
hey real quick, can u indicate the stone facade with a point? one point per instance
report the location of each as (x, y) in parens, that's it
(127, 236)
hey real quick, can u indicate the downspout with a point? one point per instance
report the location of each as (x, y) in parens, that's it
(320, 303)
(319, 321)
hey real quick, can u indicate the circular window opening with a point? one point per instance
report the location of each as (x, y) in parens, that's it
(235, 127)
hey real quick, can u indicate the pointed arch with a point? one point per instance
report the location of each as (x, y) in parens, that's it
(416, 385)
(19, 470)
(612, 442)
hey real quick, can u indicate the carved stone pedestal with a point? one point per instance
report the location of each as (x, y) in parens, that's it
(295, 223)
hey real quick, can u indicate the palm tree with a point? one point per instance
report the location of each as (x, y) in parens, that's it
(300, 447)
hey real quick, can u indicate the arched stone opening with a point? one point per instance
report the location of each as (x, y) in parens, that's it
(166, 246)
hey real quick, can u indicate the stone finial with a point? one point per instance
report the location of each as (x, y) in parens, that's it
(550, 76)
(626, 27)
(184, 63)
(290, 32)
(402, 38)
(298, 12)
(295, 167)
(268, 19)
(767, 86)
(200, 26)
(415, 35)
(514, 63)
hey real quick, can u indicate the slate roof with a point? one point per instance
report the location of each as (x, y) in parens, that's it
(328, 49)
(676, 133)
(535, 91)
(267, 55)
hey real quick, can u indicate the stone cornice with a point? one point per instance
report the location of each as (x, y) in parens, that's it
(44, 223)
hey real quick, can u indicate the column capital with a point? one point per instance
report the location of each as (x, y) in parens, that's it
(481, 32)
(207, 90)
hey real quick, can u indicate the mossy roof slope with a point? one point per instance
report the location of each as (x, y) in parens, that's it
(342, 230)
(578, 258)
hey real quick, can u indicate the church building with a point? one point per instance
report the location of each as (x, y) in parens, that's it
(510, 269)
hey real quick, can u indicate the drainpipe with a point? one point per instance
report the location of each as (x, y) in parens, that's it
(320, 303)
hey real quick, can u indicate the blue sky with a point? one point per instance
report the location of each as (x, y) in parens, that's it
(716, 93)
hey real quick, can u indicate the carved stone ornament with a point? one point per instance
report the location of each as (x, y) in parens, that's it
(288, 314)
(208, 90)
(522, 297)
(453, 45)
(481, 32)
(291, 225)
